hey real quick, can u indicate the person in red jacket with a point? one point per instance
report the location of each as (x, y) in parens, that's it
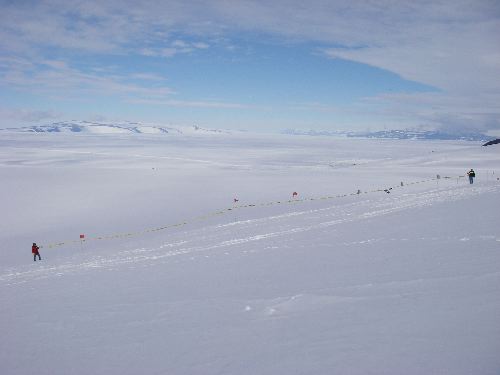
(34, 250)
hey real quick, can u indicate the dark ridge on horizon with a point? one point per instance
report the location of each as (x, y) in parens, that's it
(492, 142)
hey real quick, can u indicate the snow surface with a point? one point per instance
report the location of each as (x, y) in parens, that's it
(176, 278)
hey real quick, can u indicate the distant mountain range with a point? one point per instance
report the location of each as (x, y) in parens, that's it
(113, 128)
(90, 127)
(396, 134)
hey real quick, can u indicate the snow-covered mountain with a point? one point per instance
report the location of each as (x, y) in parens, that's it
(114, 128)
(395, 134)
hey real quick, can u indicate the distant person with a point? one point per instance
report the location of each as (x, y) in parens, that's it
(34, 250)
(471, 175)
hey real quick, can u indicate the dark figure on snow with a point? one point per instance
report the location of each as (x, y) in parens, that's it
(471, 175)
(34, 250)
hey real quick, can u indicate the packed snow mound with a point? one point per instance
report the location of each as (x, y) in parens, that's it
(114, 128)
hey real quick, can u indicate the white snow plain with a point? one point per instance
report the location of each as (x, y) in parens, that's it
(176, 278)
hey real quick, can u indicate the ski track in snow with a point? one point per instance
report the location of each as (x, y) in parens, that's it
(224, 236)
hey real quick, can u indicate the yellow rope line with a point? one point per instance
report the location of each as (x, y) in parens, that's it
(224, 211)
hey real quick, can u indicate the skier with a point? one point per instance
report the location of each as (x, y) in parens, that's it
(34, 250)
(471, 175)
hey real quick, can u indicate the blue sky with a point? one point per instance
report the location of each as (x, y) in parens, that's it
(254, 65)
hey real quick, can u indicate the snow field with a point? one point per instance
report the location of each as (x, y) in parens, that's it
(406, 282)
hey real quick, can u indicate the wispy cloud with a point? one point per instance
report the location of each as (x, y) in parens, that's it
(57, 78)
(192, 103)
(11, 117)
(438, 110)
(174, 48)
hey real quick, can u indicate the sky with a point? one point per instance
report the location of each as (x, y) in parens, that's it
(253, 65)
